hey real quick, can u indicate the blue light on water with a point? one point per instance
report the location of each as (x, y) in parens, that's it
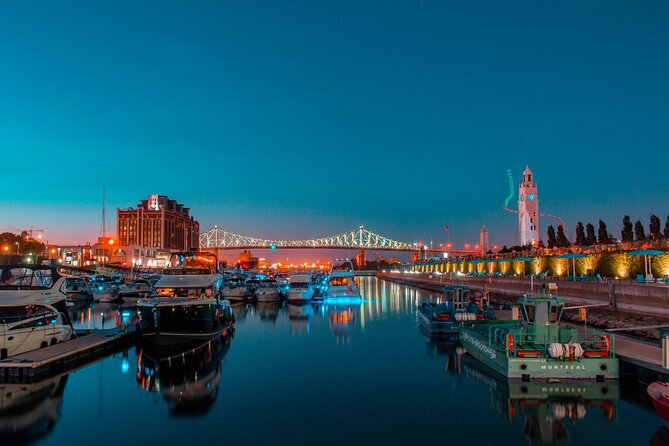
(125, 365)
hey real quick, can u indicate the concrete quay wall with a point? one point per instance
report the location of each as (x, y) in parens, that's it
(642, 299)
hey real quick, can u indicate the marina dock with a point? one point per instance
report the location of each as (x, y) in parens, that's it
(39, 364)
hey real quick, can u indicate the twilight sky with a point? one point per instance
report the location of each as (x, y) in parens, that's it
(295, 119)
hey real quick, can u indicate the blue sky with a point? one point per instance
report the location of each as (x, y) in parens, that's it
(302, 118)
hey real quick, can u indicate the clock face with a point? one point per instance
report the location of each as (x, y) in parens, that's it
(522, 197)
(531, 197)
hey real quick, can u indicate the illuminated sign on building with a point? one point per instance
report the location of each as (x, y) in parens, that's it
(153, 202)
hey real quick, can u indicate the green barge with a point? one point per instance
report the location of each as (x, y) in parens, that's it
(537, 347)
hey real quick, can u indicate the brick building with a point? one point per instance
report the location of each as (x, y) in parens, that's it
(158, 224)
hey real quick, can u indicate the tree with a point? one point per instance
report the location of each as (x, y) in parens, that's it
(590, 238)
(552, 241)
(21, 243)
(580, 235)
(627, 234)
(602, 233)
(562, 240)
(666, 228)
(654, 229)
(639, 232)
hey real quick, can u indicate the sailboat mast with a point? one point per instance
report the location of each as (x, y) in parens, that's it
(104, 212)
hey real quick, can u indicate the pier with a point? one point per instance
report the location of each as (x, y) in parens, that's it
(39, 364)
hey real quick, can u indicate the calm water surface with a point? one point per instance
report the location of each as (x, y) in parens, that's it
(314, 375)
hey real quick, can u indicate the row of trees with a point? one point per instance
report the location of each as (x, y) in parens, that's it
(19, 243)
(585, 235)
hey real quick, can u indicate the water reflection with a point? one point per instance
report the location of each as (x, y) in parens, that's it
(443, 344)
(299, 317)
(268, 311)
(101, 316)
(186, 375)
(29, 412)
(548, 409)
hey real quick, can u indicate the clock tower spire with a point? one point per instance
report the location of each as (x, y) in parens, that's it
(528, 210)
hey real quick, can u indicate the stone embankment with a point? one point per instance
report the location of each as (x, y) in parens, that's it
(624, 305)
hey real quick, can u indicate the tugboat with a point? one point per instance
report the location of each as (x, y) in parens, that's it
(186, 302)
(33, 312)
(538, 348)
(457, 308)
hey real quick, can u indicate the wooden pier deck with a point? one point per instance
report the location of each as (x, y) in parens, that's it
(38, 364)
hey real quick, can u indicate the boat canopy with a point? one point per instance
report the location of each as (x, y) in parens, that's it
(188, 281)
(28, 276)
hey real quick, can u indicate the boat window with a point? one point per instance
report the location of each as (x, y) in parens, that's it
(338, 281)
(556, 313)
(26, 277)
(529, 312)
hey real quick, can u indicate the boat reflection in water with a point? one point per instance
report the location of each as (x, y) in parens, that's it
(342, 322)
(548, 408)
(29, 412)
(299, 317)
(185, 375)
(443, 344)
(268, 310)
(101, 316)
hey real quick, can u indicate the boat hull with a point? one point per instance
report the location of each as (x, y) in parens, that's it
(436, 326)
(188, 320)
(536, 368)
(659, 396)
(300, 294)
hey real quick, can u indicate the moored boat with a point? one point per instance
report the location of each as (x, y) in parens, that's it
(33, 312)
(235, 290)
(537, 347)
(267, 291)
(186, 303)
(301, 289)
(341, 285)
(457, 308)
(659, 395)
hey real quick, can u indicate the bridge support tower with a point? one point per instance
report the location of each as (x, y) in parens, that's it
(360, 259)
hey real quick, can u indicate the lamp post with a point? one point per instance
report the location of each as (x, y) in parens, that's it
(18, 251)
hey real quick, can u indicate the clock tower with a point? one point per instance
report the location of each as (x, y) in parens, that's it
(528, 210)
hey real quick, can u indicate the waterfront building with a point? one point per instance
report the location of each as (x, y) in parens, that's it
(152, 230)
(528, 210)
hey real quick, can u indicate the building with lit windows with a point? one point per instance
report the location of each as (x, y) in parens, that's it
(156, 227)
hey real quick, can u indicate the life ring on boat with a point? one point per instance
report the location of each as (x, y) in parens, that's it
(605, 343)
(509, 342)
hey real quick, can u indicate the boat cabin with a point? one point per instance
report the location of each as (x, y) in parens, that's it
(541, 317)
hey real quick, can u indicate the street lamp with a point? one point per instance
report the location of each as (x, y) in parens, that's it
(17, 247)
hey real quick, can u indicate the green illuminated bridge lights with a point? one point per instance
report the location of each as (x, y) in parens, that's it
(359, 238)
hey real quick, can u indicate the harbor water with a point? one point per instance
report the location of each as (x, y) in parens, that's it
(315, 374)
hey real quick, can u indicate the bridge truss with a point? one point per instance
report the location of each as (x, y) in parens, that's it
(359, 238)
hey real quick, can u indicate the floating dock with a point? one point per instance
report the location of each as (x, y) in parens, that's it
(42, 363)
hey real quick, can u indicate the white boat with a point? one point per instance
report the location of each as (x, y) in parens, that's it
(103, 288)
(301, 289)
(235, 290)
(78, 289)
(134, 290)
(268, 291)
(341, 282)
(33, 312)
(282, 285)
